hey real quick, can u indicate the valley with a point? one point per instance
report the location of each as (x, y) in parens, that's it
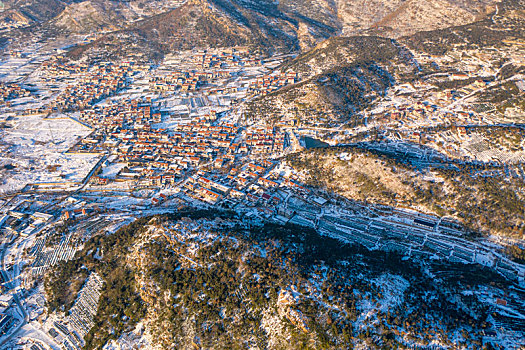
(209, 174)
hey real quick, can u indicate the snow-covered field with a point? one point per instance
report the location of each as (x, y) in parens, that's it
(13, 69)
(36, 148)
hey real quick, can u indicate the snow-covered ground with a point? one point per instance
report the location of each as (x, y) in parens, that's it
(36, 147)
(393, 288)
(112, 170)
(134, 339)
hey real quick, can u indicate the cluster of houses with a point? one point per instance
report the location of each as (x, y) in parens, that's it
(210, 71)
(103, 81)
(225, 58)
(58, 66)
(184, 81)
(252, 184)
(23, 223)
(136, 114)
(272, 82)
(81, 85)
(10, 91)
(160, 156)
(265, 140)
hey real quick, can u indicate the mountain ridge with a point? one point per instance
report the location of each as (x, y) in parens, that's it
(289, 25)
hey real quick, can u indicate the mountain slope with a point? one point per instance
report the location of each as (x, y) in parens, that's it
(200, 23)
(396, 18)
(192, 25)
(91, 16)
(28, 12)
(37, 10)
(322, 91)
(288, 25)
(340, 52)
(326, 100)
(340, 77)
(507, 24)
(205, 279)
(391, 18)
(376, 177)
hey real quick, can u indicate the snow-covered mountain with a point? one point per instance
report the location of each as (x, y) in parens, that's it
(166, 25)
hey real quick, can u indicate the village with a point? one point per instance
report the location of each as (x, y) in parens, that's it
(121, 140)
